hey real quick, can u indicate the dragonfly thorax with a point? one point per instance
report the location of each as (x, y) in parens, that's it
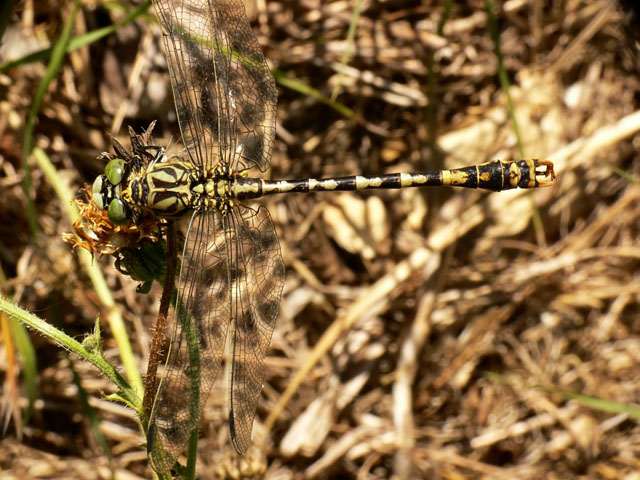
(169, 188)
(175, 188)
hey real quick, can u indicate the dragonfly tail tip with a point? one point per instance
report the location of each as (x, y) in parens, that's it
(545, 174)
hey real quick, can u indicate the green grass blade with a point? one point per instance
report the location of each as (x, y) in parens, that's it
(355, 16)
(92, 356)
(57, 55)
(305, 89)
(623, 174)
(114, 316)
(538, 225)
(591, 401)
(27, 353)
(80, 41)
(432, 105)
(502, 72)
(194, 410)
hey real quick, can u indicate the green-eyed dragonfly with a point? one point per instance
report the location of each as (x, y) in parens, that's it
(232, 273)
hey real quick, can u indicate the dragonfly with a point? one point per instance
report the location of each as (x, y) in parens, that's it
(232, 273)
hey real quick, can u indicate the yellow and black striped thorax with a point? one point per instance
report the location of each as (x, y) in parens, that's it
(167, 187)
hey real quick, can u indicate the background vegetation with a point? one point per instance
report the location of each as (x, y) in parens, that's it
(440, 334)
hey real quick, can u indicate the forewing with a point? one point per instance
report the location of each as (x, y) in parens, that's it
(255, 299)
(202, 309)
(224, 92)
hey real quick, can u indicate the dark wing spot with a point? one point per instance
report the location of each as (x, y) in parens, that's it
(208, 363)
(216, 278)
(210, 329)
(222, 292)
(249, 113)
(209, 116)
(263, 239)
(279, 270)
(244, 230)
(268, 310)
(216, 274)
(173, 430)
(268, 240)
(236, 272)
(237, 41)
(264, 88)
(199, 309)
(253, 147)
(259, 258)
(247, 322)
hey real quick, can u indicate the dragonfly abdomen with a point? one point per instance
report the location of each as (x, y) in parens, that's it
(496, 175)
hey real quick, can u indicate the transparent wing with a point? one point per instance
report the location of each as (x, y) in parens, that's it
(202, 307)
(255, 301)
(232, 273)
(224, 92)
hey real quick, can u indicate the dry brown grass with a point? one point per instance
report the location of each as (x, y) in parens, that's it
(407, 310)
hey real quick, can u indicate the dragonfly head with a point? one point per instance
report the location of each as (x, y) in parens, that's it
(107, 191)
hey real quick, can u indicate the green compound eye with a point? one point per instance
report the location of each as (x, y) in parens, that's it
(114, 171)
(117, 211)
(96, 189)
